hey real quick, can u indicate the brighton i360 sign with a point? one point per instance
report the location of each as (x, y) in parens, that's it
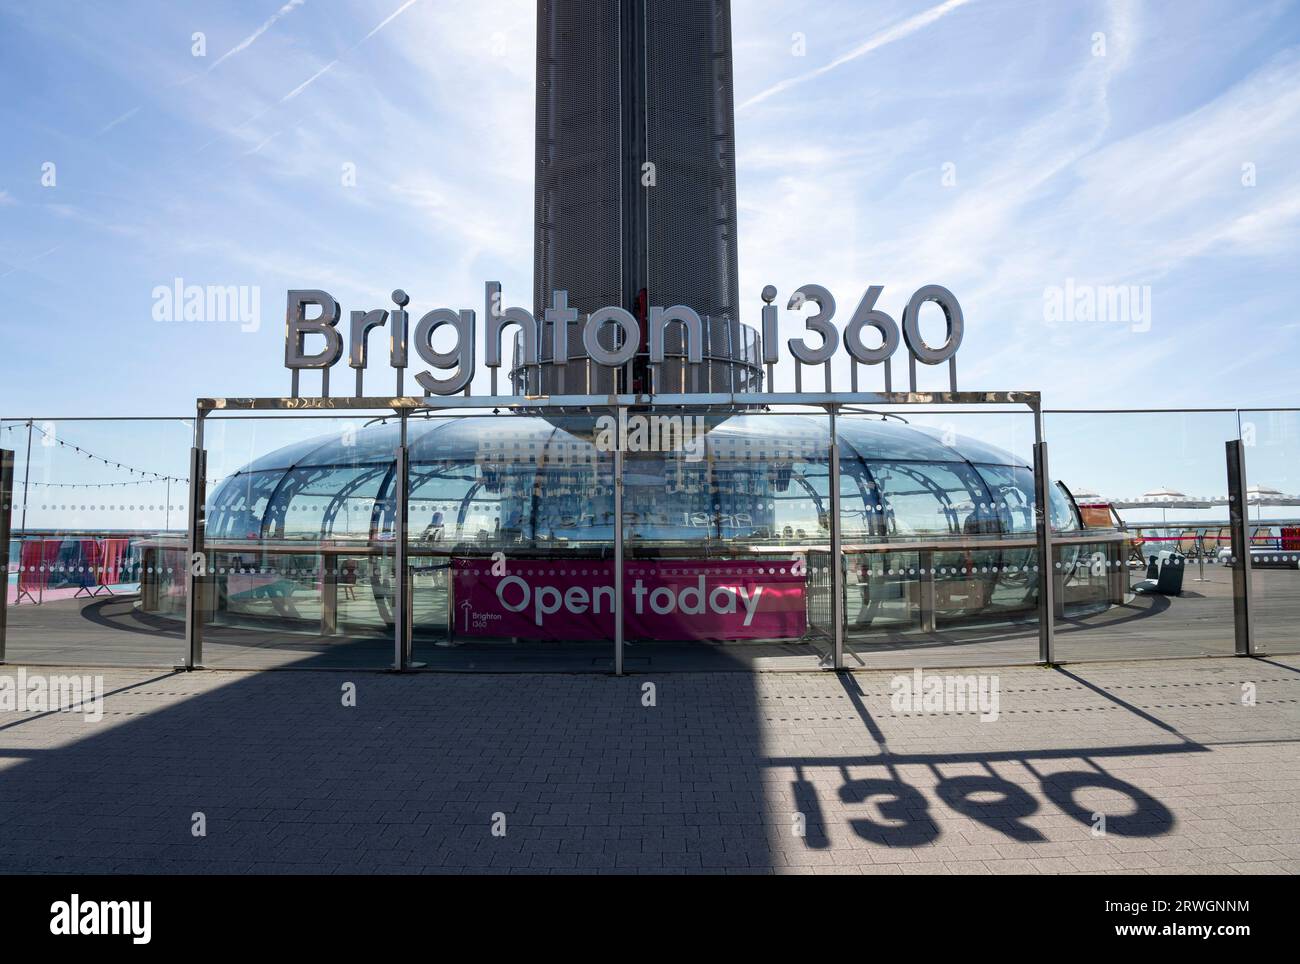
(314, 312)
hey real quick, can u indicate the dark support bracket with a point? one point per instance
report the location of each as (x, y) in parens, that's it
(401, 562)
(837, 550)
(198, 567)
(6, 512)
(1238, 523)
(620, 415)
(1046, 557)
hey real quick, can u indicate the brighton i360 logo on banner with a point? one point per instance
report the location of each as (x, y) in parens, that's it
(317, 313)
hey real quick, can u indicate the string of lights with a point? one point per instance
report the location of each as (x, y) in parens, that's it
(109, 485)
(147, 477)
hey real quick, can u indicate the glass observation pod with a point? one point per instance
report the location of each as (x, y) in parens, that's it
(741, 487)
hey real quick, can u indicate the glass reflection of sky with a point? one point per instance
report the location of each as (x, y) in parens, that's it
(484, 482)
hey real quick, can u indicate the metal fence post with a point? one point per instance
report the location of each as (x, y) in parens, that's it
(1118, 567)
(837, 551)
(619, 420)
(1238, 524)
(451, 602)
(6, 510)
(1046, 568)
(401, 575)
(927, 594)
(27, 474)
(197, 566)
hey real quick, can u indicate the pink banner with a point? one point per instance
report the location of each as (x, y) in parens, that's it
(36, 561)
(115, 551)
(574, 599)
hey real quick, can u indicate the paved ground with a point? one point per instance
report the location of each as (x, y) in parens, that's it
(720, 774)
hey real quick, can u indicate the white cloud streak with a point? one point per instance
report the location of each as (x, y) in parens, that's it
(118, 120)
(252, 37)
(389, 19)
(327, 68)
(308, 82)
(897, 32)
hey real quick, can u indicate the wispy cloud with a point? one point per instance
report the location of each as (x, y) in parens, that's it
(308, 82)
(252, 37)
(266, 140)
(117, 120)
(239, 47)
(387, 20)
(27, 262)
(320, 73)
(378, 27)
(897, 32)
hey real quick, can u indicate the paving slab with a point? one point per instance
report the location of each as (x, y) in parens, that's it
(1142, 767)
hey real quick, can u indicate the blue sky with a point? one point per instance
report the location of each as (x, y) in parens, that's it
(991, 146)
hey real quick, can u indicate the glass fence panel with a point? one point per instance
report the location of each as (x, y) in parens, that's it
(96, 550)
(727, 541)
(300, 541)
(511, 542)
(937, 519)
(1143, 577)
(726, 527)
(1271, 440)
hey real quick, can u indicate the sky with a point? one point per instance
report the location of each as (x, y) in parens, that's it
(1018, 153)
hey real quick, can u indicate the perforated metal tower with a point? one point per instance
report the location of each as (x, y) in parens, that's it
(636, 185)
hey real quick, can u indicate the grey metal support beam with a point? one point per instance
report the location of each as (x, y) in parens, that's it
(27, 474)
(1117, 566)
(6, 512)
(401, 567)
(451, 601)
(329, 595)
(739, 400)
(1046, 557)
(198, 567)
(1239, 525)
(837, 551)
(619, 416)
(928, 602)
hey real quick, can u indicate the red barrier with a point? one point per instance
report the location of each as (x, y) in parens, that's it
(112, 556)
(91, 553)
(35, 563)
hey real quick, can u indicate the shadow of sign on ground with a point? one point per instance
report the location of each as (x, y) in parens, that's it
(718, 771)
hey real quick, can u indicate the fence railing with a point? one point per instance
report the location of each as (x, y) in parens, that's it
(922, 553)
